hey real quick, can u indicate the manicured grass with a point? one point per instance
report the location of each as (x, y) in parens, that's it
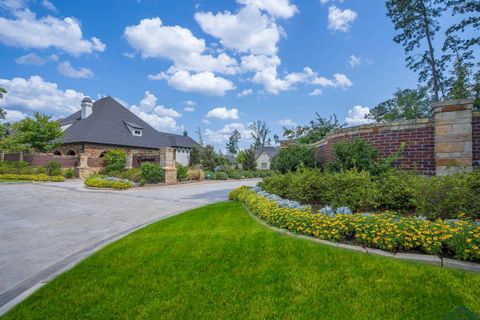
(216, 262)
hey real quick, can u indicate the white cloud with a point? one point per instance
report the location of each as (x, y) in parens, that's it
(356, 116)
(246, 31)
(158, 116)
(327, 1)
(259, 62)
(190, 103)
(48, 5)
(189, 109)
(221, 136)
(67, 70)
(178, 44)
(202, 82)
(276, 8)
(287, 123)
(31, 59)
(35, 94)
(13, 4)
(340, 81)
(354, 61)
(340, 20)
(26, 31)
(129, 55)
(223, 113)
(14, 116)
(316, 92)
(245, 93)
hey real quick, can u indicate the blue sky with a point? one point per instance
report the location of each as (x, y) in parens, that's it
(217, 65)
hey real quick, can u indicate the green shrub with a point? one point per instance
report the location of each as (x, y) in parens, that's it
(96, 182)
(209, 175)
(132, 174)
(115, 160)
(17, 167)
(361, 155)
(293, 158)
(398, 190)
(152, 172)
(31, 177)
(234, 174)
(248, 174)
(69, 173)
(182, 172)
(40, 170)
(53, 168)
(221, 175)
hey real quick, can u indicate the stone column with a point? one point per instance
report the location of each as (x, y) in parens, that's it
(167, 162)
(453, 136)
(129, 160)
(82, 170)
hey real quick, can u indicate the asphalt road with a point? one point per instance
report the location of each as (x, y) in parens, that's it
(46, 228)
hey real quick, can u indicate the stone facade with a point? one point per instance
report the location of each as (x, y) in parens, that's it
(449, 142)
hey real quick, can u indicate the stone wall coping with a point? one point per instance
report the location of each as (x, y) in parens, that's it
(452, 102)
(476, 114)
(381, 126)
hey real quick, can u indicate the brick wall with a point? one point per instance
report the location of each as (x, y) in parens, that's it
(476, 139)
(42, 159)
(418, 136)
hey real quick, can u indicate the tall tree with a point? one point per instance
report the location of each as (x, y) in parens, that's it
(250, 161)
(232, 144)
(460, 86)
(316, 130)
(260, 132)
(469, 10)
(2, 112)
(276, 139)
(417, 23)
(405, 104)
(209, 158)
(200, 137)
(39, 132)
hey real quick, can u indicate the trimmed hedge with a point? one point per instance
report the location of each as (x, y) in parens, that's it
(32, 177)
(98, 182)
(435, 197)
(459, 239)
(221, 175)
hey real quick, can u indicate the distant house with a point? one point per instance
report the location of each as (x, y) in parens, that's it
(264, 157)
(106, 124)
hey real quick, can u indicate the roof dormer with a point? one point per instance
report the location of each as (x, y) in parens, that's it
(135, 129)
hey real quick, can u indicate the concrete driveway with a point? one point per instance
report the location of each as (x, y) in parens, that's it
(46, 228)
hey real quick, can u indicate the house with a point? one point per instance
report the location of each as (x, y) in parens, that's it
(106, 124)
(264, 157)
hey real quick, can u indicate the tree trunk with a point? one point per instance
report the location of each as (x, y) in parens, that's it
(433, 63)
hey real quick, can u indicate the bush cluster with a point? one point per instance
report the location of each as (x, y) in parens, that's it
(448, 238)
(69, 173)
(152, 172)
(182, 172)
(31, 177)
(115, 160)
(435, 197)
(54, 168)
(101, 182)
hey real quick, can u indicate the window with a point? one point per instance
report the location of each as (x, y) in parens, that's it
(137, 133)
(57, 153)
(103, 154)
(264, 166)
(71, 153)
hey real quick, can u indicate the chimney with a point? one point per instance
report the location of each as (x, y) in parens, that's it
(87, 107)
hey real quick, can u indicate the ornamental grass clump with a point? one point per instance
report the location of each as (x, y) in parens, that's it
(388, 231)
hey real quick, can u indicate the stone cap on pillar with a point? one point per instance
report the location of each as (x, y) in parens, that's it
(452, 105)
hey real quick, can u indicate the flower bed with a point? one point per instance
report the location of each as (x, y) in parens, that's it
(32, 177)
(108, 182)
(459, 239)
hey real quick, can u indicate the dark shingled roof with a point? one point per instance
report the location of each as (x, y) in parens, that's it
(107, 125)
(270, 151)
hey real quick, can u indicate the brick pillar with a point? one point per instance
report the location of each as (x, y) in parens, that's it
(167, 162)
(453, 136)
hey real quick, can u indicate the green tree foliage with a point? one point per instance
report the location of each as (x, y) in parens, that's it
(316, 130)
(417, 22)
(39, 132)
(209, 158)
(232, 144)
(460, 87)
(115, 160)
(294, 157)
(11, 144)
(259, 133)
(476, 90)
(469, 11)
(361, 155)
(200, 137)
(196, 155)
(405, 104)
(241, 157)
(250, 162)
(2, 112)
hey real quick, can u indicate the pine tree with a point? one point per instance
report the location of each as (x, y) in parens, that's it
(232, 144)
(460, 86)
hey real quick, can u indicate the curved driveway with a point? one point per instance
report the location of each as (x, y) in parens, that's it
(46, 228)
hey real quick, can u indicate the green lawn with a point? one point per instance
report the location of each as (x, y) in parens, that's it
(217, 262)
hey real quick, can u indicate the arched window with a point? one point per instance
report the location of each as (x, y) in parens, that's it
(103, 154)
(57, 153)
(71, 153)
